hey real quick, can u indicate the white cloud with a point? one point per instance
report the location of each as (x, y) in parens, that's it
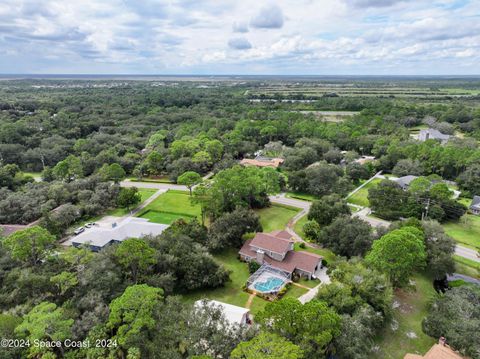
(188, 36)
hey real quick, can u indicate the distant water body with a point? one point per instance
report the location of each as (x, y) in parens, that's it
(232, 77)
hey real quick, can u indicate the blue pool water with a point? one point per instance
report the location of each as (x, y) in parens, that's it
(269, 285)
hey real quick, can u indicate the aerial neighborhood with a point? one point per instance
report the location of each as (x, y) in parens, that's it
(228, 231)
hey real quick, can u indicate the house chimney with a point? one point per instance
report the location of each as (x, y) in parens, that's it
(427, 135)
(260, 255)
(442, 341)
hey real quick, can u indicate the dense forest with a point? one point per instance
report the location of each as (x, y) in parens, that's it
(66, 146)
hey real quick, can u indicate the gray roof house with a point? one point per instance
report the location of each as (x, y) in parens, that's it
(405, 181)
(433, 134)
(475, 206)
(132, 227)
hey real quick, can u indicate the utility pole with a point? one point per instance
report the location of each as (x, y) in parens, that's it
(427, 207)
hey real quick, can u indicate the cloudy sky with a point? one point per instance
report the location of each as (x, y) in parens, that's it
(240, 37)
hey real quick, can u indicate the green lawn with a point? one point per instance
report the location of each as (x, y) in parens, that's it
(232, 292)
(301, 195)
(145, 193)
(361, 197)
(276, 217)
(394, 344)
(298, 228)
(327, 254)
(467, 266)
(36, 175)
(311, 283)
(465, 231)
(295, 292)
(170, 206)
(465, 201)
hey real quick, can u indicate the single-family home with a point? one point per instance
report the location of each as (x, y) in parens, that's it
(433, 134)
(405, 181)
(475, 206)
(132, 227)
(276, 250)
(437, 351)
(365, 159)
(262, 161)
(233, 314)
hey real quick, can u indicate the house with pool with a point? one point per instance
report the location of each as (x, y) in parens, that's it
(278, 261)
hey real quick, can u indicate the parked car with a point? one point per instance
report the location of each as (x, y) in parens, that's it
(90, 224)
(79, 230)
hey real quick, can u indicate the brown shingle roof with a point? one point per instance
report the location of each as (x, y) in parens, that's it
(293, 260)
(271, 243)
(281, 234)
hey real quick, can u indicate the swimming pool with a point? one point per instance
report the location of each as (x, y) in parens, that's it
(272, 284)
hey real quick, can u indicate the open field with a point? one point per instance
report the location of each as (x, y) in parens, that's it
(331, 116)
(276, 217)
(316, 90)
(170, 206)
(467, 267)
(145, 193)
(404, 334)
(360, 198)
(466, 231)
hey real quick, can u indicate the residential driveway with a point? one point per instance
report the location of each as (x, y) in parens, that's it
(364, 214)
(311, 294)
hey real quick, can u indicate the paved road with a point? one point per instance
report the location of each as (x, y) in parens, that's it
(312, 293)
(154, 185)
(281, 199)
(364, 214)
(467, 253)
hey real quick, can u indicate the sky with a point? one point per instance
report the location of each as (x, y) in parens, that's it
(281, 37)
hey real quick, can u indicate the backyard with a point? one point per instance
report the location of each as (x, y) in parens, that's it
(404, 333)
(360, 198)
(276, 217)
(233, 292)
(169, 207)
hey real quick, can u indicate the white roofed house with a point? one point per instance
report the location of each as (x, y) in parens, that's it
(233, 314)
(475, 206)
(132, 227)
(433, 134)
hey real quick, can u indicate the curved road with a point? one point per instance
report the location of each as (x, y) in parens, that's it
(305, 206)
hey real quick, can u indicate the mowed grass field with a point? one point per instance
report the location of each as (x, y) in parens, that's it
(169, 207)
(276, 217)
(465, 231)
(404, 334)
(360, 198)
